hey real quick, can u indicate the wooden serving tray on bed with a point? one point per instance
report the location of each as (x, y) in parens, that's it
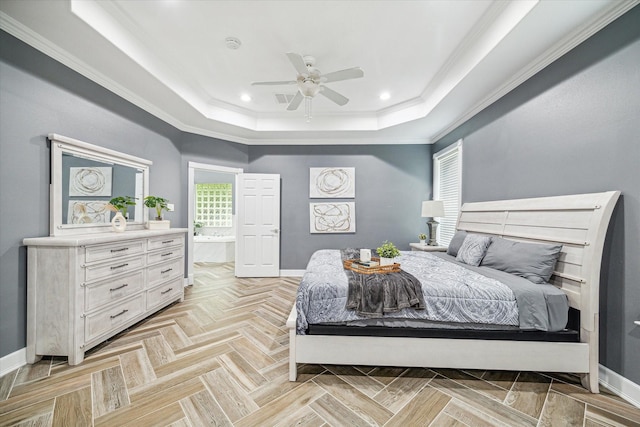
(352, 264)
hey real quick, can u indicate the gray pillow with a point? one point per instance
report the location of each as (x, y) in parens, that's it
(456, 242)
(533, 261)
(473, 249)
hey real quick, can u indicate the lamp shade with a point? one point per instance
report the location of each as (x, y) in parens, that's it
(432, 208)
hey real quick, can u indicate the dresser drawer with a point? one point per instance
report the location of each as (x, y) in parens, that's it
(165, 242)
(162, 272)
(105, 321)
(102, 293)
(165, 292)
(116, 267)
(164, 255)
(113, 250)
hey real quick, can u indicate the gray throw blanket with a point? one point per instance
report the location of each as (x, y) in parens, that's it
(372, 295)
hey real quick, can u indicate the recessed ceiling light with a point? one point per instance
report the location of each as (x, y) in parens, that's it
(385, 95)
(245, 97)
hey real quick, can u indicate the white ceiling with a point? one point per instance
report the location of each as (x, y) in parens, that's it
(440, 61)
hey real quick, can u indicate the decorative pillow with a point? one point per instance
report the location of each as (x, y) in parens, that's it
(456, 242)
(533, 261)
(473, 249)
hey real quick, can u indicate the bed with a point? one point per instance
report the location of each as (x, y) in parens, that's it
(576, 222)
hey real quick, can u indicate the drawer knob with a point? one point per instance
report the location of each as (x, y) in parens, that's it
(115, 267)
(119, 250)
(166, 271)
(124, 285)
(167, 254)
(167, 291)
(164, 242)
(119, 314)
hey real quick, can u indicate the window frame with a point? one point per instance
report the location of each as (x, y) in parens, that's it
(452, 203)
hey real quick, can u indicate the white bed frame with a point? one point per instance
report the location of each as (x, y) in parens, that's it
(578, 222)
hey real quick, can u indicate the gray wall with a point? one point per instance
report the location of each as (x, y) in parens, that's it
(391, 182)
(575, 128)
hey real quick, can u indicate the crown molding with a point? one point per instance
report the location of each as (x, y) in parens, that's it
(40, 43)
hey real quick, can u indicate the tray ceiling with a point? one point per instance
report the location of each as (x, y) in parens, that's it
(439, 61)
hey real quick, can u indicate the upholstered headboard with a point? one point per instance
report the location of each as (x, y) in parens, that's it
(578, 222)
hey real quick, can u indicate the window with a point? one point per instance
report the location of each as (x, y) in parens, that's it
(214, 205)
(447, 181)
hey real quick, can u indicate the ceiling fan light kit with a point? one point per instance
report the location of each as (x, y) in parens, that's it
(310, 82)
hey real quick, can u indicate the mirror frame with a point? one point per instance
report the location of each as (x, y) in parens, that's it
(64, 145)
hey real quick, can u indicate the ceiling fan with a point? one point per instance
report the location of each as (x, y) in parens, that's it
(311, 81)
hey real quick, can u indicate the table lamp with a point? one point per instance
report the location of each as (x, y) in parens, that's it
(431, 209)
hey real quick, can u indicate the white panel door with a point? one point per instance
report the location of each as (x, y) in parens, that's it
(258, 219)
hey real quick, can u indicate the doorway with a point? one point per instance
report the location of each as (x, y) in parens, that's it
(217, 235)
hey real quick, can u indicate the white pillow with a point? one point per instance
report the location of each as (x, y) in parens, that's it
(473, 249)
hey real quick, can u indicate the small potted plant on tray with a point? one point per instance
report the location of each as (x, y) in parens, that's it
(423, 238)
(387, 253)
(159, 204)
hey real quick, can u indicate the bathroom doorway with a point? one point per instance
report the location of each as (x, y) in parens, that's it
(212, 212)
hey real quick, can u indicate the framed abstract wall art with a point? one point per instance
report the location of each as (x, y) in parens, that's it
(90, 181)
(334, 183)
(88, 212)
(332, 217)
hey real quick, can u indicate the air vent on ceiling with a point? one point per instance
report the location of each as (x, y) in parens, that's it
(284, 98)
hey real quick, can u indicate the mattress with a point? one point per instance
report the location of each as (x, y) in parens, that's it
(456, 296)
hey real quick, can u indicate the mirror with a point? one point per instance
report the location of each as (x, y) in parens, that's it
(85, 178)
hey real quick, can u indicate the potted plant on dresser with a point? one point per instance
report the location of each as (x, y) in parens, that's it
(122, 203)
(387, 253)
(159, 204)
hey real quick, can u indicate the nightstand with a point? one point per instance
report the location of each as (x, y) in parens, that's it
(427, 248)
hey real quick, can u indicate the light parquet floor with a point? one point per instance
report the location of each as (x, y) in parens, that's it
(220, 358)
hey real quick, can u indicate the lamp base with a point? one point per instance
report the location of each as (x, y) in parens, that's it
(433, 226)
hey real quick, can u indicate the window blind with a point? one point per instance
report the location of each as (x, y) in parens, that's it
(447, 183)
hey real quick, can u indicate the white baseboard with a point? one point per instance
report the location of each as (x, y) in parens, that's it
(626, 389)
(292, 273)
(13, 361)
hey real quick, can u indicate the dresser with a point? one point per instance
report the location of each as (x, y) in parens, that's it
(83, 289)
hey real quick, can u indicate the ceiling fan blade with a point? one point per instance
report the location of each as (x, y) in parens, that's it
(298, 63)
(334, 96)
(288, 82)
(295, 102)
(349, 73)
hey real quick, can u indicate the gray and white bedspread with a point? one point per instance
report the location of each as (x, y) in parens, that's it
(453, 294)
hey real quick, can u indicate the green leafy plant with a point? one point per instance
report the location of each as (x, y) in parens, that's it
(388, 250)
(196, 227)
(422, 236)
(158, 203)
(122, 203)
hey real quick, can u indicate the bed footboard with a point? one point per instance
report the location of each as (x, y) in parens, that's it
(439, 353)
